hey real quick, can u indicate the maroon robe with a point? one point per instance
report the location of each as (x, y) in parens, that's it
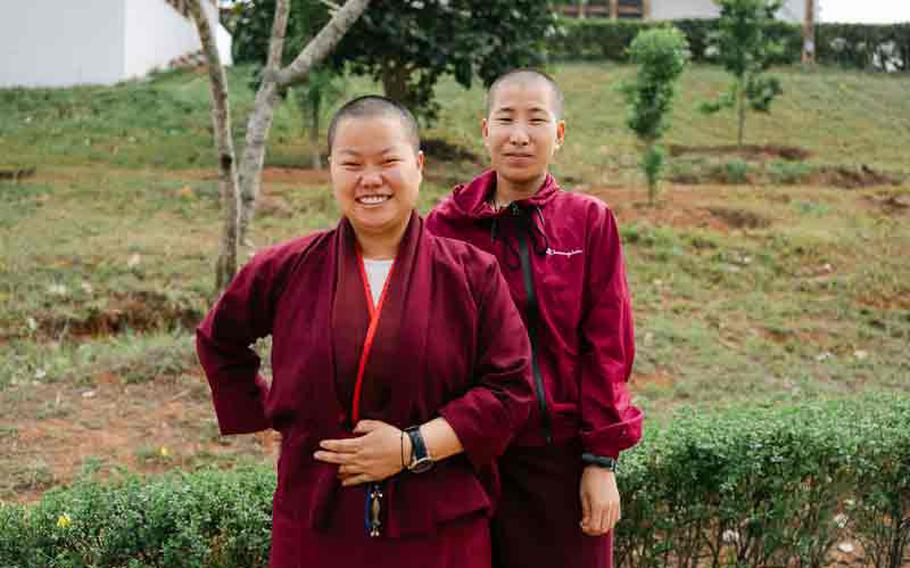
(449, 343)
(562, 257)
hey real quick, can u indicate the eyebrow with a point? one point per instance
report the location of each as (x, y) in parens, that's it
(355, 153)
(543, 109)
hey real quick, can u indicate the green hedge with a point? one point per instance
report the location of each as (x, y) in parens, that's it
(859, 46)
(747, 487)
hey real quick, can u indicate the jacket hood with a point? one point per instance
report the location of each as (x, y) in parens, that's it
(471, 201)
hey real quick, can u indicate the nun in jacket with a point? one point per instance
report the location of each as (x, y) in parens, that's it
(562, 258)
(400, 368)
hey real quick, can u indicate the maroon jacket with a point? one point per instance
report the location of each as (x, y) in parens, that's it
(449, 343)
(561, 255)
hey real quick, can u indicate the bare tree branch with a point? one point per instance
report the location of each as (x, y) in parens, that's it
(279, 29)
(221, 122)
(273, 80)
(324, 42)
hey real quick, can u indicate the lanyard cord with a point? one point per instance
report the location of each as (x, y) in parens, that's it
(375, 312)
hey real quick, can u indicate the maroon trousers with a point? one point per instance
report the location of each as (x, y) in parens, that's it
(537, 518)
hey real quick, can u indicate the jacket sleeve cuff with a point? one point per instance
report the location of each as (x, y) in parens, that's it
(482, 440)
(609, 441)
(240, 407)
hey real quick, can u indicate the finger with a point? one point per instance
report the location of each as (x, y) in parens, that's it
(350, 469)
(366, 426)
(348, 446)
(356, 480)
(585, 511)
(599, 519)
(332, 457)
(610, 518)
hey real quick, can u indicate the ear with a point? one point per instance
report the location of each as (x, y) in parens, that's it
(560, 133)
(485, 132)
(421, 158)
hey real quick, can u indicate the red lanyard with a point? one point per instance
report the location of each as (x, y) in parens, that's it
(375, 312)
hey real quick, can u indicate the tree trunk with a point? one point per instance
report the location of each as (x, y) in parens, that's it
(275, 79)
(809, 34)
(741, 110)
(226, 265)
(395, 82)
(260, 122)
(314, 131)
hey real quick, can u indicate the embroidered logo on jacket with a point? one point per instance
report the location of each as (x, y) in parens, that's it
(554, 252)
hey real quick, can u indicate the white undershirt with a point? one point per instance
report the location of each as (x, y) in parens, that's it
(377, 274)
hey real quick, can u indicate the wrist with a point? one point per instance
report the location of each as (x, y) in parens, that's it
(407, 450)
(604, 462)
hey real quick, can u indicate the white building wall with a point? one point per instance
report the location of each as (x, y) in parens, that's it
(156, 34)
(792, 10)
(54, 43)
(60, 43)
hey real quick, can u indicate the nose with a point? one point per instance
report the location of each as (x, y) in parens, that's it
(518, 136)
(371, 178)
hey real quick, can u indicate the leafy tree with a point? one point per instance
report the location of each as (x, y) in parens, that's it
(747, 51)
(661, 55)
(408, 45)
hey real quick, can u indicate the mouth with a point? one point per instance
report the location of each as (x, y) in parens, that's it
(518, 155)
(372, 199)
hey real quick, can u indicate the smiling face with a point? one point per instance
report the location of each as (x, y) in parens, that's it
(522, 131)
(376, 174)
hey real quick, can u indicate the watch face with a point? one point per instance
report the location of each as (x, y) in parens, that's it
(421, 465)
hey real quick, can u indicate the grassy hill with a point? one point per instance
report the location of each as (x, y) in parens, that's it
(780, 286)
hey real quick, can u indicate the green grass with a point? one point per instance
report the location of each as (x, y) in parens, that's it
(106, 253)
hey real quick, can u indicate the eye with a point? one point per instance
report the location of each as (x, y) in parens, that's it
(391, 161)
(539, 121)
(504, 120)
(350, 165)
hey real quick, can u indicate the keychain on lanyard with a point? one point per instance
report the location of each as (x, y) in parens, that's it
(373, 502)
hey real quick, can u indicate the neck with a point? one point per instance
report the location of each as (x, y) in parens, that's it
(380, 246)
(508, 191)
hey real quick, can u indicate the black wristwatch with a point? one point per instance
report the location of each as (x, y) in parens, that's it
(420, 456)
(600, 461)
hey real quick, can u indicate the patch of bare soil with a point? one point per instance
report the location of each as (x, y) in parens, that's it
(49, 431)
(678, 206)
(754, 152)
(853, 178)
(739, 218)
(138, 310)
(661, 380)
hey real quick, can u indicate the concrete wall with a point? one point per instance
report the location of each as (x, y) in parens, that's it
(59, 43)
(50, 43)
(792, 10)
(156, 34)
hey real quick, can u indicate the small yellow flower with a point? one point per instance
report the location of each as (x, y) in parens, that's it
(64, 521)
(164, 452)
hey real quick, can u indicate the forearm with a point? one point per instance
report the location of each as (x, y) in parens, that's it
(441, 440)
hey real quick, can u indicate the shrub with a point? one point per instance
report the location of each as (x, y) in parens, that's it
(661, 57)
(857, 46)
(749, 486)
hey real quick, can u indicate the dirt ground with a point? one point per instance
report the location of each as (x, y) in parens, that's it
(50, 432)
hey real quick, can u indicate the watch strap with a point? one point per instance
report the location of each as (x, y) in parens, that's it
(419, 453)
(605, 462)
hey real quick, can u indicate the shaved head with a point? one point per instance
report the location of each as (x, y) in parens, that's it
(527, 76)
(374, 106)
